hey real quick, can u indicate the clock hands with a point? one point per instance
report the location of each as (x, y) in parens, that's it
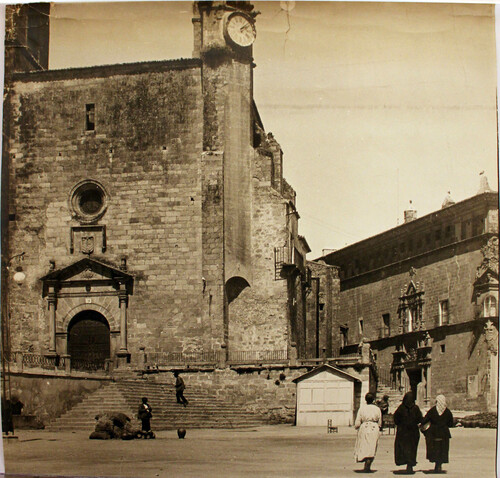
(240, 30)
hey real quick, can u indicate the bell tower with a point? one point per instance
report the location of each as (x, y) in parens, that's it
(224, 33)
(223, 24)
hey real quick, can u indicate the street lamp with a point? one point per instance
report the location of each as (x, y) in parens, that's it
(18, 277)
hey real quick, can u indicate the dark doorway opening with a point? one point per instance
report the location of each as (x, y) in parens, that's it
(415, 377)
(88, 341)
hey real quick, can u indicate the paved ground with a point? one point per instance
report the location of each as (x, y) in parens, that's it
(282, 451)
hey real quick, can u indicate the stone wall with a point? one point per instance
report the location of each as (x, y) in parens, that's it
(323, 322)
(269, 392)
(146, 152)
(447, 274)
(459, 352)
(48, 397)
(258, 316)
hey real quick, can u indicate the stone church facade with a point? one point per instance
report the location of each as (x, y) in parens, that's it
(151, 208)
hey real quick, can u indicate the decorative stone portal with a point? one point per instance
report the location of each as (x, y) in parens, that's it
(88, 340)
(87, 313)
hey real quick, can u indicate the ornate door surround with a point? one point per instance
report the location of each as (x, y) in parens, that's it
(87, 285)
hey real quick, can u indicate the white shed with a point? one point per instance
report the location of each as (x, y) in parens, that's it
(327, 393)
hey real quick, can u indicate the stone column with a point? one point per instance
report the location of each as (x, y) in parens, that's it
(67, 363)
(292, 359)
(52, 298)
(142, 358)
(123, 298)
(491, 338)
(123, 357)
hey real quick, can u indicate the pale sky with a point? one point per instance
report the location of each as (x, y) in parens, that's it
(373, 104)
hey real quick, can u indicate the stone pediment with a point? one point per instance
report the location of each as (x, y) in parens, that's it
(487, 276)
(87, 271)
(486, 281)
(411, 289)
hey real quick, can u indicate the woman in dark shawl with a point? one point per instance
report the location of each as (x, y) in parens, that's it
(407, 418)
(437, 437)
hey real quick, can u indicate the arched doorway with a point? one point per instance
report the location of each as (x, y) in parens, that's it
(88, 340)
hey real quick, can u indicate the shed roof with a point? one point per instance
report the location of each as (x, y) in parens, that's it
(326, 368)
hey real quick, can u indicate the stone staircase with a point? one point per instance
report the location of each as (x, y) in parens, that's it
(205, 410)
(395, 396)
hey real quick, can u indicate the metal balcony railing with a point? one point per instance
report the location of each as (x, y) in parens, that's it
(178, 358)
(245, 356)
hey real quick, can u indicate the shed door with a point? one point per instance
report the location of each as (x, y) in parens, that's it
(323, 397)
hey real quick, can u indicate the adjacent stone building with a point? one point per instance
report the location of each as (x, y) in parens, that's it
(424, 295)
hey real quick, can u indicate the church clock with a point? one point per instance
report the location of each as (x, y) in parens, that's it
(239, 29)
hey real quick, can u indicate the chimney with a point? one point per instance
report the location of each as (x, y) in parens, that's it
(484, 187)
(410, 214)
(448, 201)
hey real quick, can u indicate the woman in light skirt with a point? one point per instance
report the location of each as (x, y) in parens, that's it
(368, 423)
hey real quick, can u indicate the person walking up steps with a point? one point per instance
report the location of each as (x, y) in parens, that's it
(180, 386)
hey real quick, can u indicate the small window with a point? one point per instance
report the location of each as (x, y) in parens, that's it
(386, 325)
(442, 348)
(444, 312)
(437, 235)
(90, 201)
(477, 226)
(361, 328)
(344, 332)
(90, 117)
(411, 319)
(463, 230)
(490, 307)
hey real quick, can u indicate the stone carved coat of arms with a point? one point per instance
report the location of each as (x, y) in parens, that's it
(87, 244)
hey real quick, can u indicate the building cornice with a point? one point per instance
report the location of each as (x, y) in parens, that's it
(105, 71)
(456, 210)
(411, 260)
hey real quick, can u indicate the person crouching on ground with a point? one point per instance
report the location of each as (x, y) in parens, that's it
(437, 436)
(179, 389)
(407, 418)
(145, 413)
(368, 423)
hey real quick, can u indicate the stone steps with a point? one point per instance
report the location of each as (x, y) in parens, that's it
(395, 396)
(205, 410)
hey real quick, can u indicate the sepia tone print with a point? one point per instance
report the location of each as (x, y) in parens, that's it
(234, 230)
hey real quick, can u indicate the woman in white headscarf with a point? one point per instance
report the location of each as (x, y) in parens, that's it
(437, 436)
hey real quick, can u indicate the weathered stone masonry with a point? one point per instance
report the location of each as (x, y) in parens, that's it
(446, 349)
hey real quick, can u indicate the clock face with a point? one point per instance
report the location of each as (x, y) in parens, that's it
(240, 30)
